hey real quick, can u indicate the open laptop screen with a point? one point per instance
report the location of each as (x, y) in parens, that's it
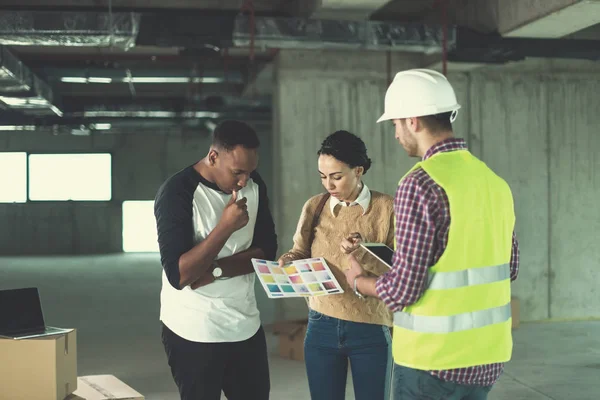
(20, 311)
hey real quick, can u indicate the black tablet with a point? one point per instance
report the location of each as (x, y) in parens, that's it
(380, 251)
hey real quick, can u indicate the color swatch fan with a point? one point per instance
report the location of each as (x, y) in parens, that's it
(300, 278)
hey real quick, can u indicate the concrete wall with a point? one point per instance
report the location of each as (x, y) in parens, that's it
(574, 187)
(537, 130)
(140, 163)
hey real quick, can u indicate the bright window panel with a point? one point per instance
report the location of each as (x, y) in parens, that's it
(83, 177)
(13, 177)
(139, 227)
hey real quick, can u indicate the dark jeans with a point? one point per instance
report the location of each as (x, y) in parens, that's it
(413, 384)
(202, 370)
(330, 343)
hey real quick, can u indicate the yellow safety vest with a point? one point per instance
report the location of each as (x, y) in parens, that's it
(463, 318)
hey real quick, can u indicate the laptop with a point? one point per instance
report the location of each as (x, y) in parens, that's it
(21, 315)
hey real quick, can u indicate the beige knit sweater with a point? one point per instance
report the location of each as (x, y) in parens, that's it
(376, 225)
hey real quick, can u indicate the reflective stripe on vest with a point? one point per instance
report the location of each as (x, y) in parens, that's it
(469, 277)
(455, 323)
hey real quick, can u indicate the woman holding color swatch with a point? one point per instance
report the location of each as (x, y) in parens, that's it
(343, 328)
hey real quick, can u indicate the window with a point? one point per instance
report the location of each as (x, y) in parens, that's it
(13, 177)
(139, 227)
(70, 177)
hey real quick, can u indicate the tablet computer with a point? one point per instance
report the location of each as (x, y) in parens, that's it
(380, 251)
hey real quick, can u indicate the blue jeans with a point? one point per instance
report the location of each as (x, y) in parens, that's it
(413, 384)
(330, 343)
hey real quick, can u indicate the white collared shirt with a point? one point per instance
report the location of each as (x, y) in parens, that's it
(363, 200)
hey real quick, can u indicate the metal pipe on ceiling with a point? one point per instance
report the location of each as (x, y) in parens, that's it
(125, 30)
(80, 29)
(297, 33)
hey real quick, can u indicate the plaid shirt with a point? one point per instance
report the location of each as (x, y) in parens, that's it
(422, 222)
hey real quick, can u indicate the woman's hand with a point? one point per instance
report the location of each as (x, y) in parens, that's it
(284, 259)
(355, 270)
(351, 243)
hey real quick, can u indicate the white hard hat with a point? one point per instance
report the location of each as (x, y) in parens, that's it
(419, 92)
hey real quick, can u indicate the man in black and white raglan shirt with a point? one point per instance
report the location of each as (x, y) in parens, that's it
(212, 218)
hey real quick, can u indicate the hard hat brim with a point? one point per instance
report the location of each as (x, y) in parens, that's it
(390, 116)
(384, 117)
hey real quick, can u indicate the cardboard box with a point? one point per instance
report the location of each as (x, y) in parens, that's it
(42, 368)
(291, 338)
(516, 317)
(103, 387)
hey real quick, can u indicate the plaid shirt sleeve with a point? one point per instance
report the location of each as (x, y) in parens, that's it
(514, 258)
(417, 208)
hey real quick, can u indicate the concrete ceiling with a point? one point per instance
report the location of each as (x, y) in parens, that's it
(526, 18)
(246, 79)
(539, 19)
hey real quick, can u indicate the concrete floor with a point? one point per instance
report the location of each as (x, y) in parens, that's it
(113, 302)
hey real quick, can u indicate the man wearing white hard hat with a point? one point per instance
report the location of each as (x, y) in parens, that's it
(456, 253)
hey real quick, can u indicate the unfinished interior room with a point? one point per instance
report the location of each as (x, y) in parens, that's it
(106, 106)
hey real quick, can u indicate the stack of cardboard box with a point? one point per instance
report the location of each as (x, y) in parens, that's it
(291, 338)
(103, 387)
(45, 368)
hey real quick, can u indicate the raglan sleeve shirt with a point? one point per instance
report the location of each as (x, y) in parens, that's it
(174, 221)
(265, 237)
(174, 224)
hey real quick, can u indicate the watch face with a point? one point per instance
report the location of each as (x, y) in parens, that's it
(217, 272)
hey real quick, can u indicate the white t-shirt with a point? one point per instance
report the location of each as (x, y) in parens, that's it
(187, 209)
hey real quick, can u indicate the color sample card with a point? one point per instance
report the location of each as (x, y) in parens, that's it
(301, 278)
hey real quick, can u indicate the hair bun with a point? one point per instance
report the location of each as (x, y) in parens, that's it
(347, 148)
(367, 165)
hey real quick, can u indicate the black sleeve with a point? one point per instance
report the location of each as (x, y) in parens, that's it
(265, 237)
(174, 224)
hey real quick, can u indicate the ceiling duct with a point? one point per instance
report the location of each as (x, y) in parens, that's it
(53, 28)
(203, 32)
(21, 90)
(38, 101)
(14, 76)
(295, 33)
(195, 30)
(213, 32)
(219, 31)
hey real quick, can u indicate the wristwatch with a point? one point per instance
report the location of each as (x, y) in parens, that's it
(217, 271)
(356, 292)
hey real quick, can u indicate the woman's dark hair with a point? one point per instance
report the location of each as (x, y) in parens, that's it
(347, 148)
